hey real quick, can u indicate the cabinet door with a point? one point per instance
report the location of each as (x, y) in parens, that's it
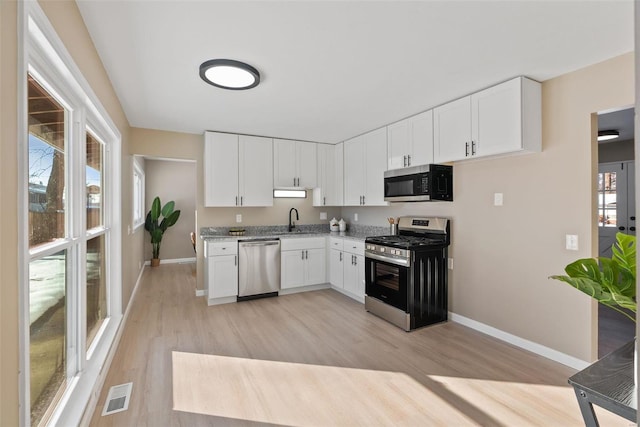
(350, 273)
(421, 139)
(360, 284)
(354, 171)
(284, 163)
(222, 276)
(398, 144)
(316, 266)
(306, 162)
(375, 144)
(496, 119)
(452, 131)
(256, 171)
(337, 198)
(292, 269)
(336, 267)
(220, 169)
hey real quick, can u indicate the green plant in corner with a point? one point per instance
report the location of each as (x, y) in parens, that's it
(613, 281)
(157, 227)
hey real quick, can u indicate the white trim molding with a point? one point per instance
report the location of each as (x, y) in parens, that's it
(525, 344)
(174, 261)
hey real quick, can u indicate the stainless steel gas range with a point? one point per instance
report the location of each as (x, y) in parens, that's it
(406, 274)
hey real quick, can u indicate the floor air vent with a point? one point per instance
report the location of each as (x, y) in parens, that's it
(118, 399)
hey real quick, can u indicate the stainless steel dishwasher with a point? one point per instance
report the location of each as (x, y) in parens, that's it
(258, 268)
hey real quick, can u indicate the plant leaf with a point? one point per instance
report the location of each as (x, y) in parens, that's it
(173, 218)
(585, 267)
(156, 235)
(155, 209)
(168, 208)
(624, 252)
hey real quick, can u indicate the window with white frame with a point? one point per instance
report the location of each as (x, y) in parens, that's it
(70, 300)
(138, 195)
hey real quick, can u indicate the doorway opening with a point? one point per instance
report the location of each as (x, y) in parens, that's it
(616, 212)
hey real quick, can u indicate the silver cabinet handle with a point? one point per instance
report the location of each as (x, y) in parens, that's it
(294, 182)
(236, 200)
(241, 202)
(235, 260)
(466, 149)
(355, 260)
(306, 254)
(408, 159)
(340, 256)
(473, 148)
(302, 255)
(364, 202)
(324, 201)
(404, 161)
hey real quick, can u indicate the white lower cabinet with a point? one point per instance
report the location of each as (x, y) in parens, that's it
(347, 267)
(221, 272)
(303, 262)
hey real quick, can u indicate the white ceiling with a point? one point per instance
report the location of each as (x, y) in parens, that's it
(334, 69)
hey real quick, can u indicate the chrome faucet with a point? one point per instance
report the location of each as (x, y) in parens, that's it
(293, 224)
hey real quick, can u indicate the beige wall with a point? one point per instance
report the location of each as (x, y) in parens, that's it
(174, 145)
(66, 19)
(503, 255)
(173, 180)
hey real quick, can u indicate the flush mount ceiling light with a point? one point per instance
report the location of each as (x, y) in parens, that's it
(606, 135)
(229, 74)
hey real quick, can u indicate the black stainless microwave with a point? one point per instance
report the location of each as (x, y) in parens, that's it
(419, 184)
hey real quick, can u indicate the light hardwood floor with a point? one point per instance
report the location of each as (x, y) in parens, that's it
(318, 358)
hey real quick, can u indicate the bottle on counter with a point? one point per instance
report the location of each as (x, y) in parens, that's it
(333, 225)
(342, 225)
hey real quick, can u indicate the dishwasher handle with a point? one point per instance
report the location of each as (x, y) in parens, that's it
(264, 243)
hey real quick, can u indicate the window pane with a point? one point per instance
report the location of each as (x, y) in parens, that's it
(607, 200)
(46, 166)
(96, 287)
(94, 182)
(47, 344)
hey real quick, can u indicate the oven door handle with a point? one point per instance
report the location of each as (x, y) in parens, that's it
(394, 261)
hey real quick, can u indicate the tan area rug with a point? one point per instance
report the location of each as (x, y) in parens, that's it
(303, 395)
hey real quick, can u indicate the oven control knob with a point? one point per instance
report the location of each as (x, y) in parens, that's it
(382, 249)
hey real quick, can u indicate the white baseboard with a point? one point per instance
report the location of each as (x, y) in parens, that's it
(349, 294)
(174, 261)
(95, 393)
(531, 346)
(201, 293)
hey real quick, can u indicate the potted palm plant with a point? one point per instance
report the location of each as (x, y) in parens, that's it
(612, 281)
(157, 227)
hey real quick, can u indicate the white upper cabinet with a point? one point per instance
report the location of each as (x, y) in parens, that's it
(256, 171)
(237, 170)
(410, 141)
(506, 118)
(329, 191)
(365, 161)
(294, 164)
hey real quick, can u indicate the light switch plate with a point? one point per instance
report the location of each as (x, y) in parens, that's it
(323, 215)
(238, 217)
(497, 199)
(572, 242)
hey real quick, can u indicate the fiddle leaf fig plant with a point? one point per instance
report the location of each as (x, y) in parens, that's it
(155, 227)
(611, 281)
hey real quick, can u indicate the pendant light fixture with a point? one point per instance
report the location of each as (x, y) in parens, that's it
(229, 74)
(606, 135)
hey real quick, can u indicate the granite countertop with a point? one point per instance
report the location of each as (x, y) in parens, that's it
(355, 232)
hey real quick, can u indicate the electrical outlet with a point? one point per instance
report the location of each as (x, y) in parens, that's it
(571, 242)
(323, 215)
(355, 216)
(238, 217)
(497, 199)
